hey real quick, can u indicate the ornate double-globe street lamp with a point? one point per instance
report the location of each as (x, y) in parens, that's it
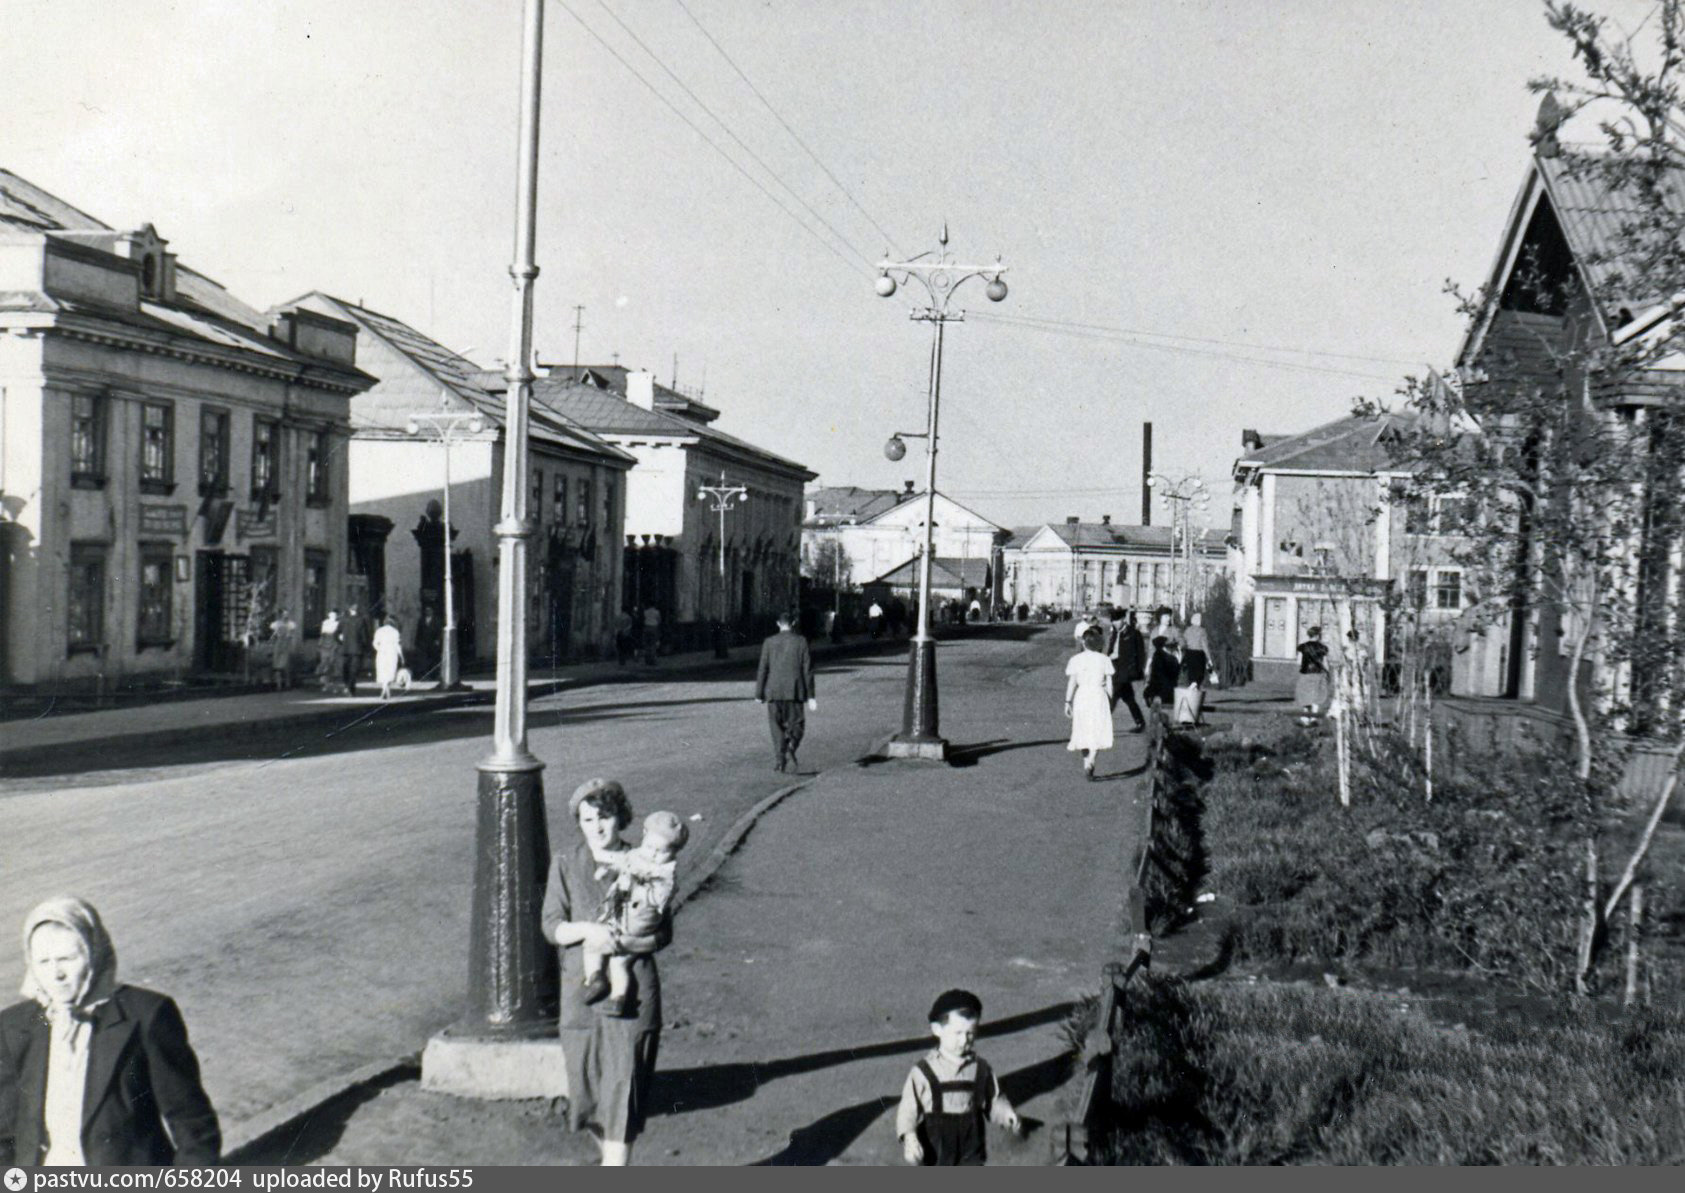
(447, 426)
(940, 276)
(1181, 497)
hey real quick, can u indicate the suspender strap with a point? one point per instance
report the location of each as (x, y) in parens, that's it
(935, 1086)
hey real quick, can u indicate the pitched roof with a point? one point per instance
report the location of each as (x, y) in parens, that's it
(1596, 219)
(201, 309)
(613, 377)
(946, 571)
(1355, 444)
(607, 413)
(458, 375)
(849, 503)
(1110, 536)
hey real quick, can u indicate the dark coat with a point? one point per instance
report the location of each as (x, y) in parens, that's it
(143, 1104)
(1129, 655)
(786, 669)
(356, 635)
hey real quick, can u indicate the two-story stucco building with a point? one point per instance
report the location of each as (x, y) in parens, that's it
(172, 461)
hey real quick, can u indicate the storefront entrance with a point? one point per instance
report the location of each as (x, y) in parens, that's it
(222, 602)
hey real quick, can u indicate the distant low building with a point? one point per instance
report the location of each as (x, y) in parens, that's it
(1078, 565)
(875, 531)
(173, 460)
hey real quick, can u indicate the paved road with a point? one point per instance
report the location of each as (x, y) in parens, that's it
(310, 913)
(796, 986)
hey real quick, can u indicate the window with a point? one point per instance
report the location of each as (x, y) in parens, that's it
(87, 596)
(608, 504)
(537, 508)
(87, 441)
(213, 451)
(1417, 591)
(1448, 589)
(157, 447)
(315, 592)
(1418, 514)
(583, 517)
(266, 459)
(560, 508)
(316, 469)
(154, 624)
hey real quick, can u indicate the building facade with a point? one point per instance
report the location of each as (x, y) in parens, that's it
(576, 502)
(1079, 565)
(174, 461)
(692, 564)
(1328, 537)
(873, 532)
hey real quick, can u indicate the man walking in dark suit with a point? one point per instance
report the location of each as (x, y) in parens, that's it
(356, 640)
(1129, 663)
(784, 683)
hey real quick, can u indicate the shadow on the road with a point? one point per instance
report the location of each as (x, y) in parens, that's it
(970, 754)
(709, 1087)
(362, 729)
(823, 1141)
(302, 1140)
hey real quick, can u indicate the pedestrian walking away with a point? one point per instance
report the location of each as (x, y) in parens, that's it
(1164, 668)
(388, 656)
(283, 636)
(1196, 647)
(610, 1059)
(784, 683)
(874, 619)
(93, 1073)
(952, 1092)
(1088, 699)
(1129, 663)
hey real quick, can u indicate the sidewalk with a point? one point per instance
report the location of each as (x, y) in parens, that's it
(795, 992)
(153, 734)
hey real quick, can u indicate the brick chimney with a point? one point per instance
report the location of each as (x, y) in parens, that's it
(908, 491)
(1105, 519)
(1073, 520)
(640, 388)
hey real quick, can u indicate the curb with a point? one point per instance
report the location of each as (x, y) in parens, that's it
(249, 1134)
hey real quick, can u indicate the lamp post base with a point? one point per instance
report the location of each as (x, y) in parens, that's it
(919, 736)
(495, 1067)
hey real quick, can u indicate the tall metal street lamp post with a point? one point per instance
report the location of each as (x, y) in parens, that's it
(447, 426)
(724, 497)
(1181, 497)
(505, 1043)
(940, 276)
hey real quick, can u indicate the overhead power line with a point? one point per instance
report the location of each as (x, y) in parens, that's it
(712, 144)
(726, 128)
(796, 137)
(1249, 344)
(1135, 341)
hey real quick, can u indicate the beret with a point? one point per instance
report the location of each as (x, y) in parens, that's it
(593, 787)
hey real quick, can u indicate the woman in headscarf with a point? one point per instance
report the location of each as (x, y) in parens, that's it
(93, 1073)
(610, 1060)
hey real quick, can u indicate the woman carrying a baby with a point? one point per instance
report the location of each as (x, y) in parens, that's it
(607, 907)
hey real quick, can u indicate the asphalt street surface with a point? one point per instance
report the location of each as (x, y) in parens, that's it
(310, 912)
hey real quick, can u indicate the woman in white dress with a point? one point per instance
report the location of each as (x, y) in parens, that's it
(1088, 699)
(388, 656)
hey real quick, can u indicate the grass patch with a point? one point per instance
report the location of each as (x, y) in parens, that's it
(1272, 1074)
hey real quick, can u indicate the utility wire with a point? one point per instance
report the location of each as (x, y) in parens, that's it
(753, 156)
(888, 239)
(1165, 335)
(712, 144)
(1176, 348)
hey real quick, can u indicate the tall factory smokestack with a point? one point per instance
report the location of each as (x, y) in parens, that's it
(1146, 474)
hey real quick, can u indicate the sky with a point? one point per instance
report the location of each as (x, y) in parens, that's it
(1231, 213)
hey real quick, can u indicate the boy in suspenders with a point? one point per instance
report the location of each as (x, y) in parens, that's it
(950, 1093)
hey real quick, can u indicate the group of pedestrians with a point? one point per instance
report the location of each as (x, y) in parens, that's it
(1115, 655)
(1333, 677)
(345, 643)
